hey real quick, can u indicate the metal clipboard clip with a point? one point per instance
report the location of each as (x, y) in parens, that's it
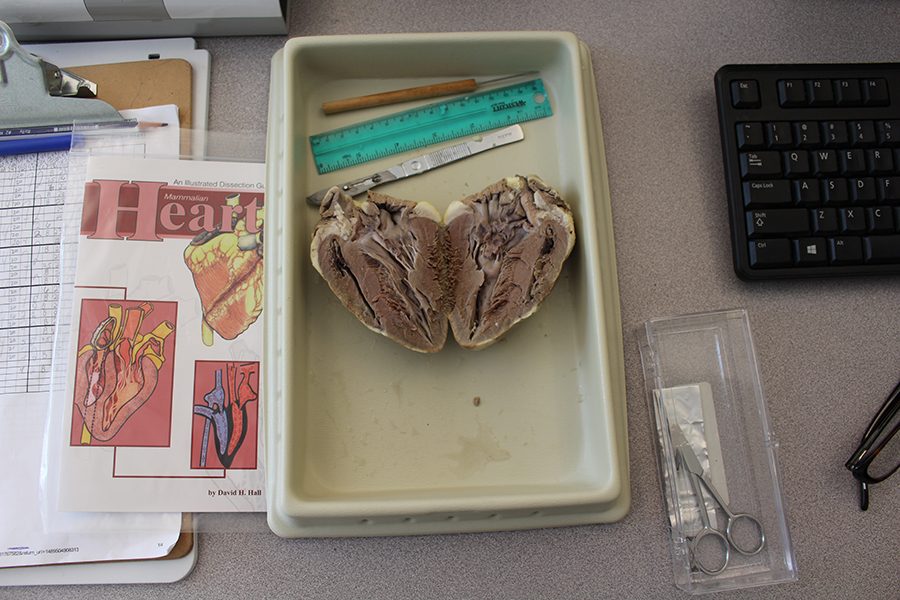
(34, 92)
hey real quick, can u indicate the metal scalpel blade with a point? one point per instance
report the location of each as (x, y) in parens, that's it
(427, 162)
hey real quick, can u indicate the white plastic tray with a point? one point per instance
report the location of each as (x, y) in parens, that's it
(368, 438)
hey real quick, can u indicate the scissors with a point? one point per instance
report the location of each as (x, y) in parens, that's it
(726, 541)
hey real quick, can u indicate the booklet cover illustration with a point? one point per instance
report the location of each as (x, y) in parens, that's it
(225, 415)
(123, 364)
(227, 271)
(164, 365)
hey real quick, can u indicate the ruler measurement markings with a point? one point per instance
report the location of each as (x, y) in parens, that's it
(324, 139)
(435, 136)
(388, 133)
(427, 125)
(328, 161)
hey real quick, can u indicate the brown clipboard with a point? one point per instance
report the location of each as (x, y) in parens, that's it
(144, 83)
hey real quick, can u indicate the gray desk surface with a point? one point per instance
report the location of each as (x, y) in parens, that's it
(828, 350)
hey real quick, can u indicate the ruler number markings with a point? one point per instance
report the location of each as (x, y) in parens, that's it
(427, 125)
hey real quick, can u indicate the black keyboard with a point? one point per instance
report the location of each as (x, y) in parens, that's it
(812, 166)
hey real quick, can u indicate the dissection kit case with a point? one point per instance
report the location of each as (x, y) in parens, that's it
(706, 400)
(369, 438)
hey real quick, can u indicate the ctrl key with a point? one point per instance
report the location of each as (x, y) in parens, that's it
(770, 253)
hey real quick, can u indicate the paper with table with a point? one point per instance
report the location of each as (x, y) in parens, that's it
(161, 404)
(32, 192)
(32, 188)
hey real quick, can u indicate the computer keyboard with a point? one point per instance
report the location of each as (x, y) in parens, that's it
(812, 167)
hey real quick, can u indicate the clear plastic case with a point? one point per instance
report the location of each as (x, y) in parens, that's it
(714, 442)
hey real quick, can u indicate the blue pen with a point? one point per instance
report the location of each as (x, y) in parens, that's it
(48, 143)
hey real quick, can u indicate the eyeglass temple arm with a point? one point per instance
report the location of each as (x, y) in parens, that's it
(882, 415)
(883, 412)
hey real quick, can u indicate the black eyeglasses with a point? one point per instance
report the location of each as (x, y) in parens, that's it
(878, 455)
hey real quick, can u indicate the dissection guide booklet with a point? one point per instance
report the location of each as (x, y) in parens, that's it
(163, 407)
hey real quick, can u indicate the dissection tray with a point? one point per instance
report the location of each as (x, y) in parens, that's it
(368, 438)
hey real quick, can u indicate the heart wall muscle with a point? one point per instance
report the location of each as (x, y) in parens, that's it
(384, 259)
(404, 274)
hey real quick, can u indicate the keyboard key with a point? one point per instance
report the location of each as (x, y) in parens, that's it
(853, 220)
(835, 133)
(879, 161)
(875, 92)
(745, 93)
(788, 221)
(796, 163)
(750, 136)
(889, 189)
(888, 132)
(825, 162)
(880, 219)
(846, 92)
(759, 194)
(770, 253)
(853, 162)
(807, 192)
(862, 133)
(760, 165)
(791, 92)
(825, 220)
(836, 191)
(807, 134)
(845, 250)
(779, 134)
(862, 190)
(820, 92)
(882, 248)
(810, 252)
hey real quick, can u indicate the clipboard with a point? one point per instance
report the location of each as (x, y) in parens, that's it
(38, 93)
(143, 83)
(107, 52)
(168, 569)
(175, 565)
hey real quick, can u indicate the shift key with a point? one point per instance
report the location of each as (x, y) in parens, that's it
(760, 165)
(781, 223)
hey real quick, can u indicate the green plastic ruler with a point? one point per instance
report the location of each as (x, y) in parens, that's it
(431, 124)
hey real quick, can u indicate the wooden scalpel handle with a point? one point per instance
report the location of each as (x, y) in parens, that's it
(414, 93)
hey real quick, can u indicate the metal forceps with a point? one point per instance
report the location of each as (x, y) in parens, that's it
(685, 455)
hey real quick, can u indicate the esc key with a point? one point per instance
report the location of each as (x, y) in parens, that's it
(745, 93)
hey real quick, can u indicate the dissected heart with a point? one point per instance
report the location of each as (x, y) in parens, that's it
(384, 259)
(508, 242)
(403, 274)
(117, 371)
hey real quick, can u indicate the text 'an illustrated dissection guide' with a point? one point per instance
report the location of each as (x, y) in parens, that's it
(164, 366)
